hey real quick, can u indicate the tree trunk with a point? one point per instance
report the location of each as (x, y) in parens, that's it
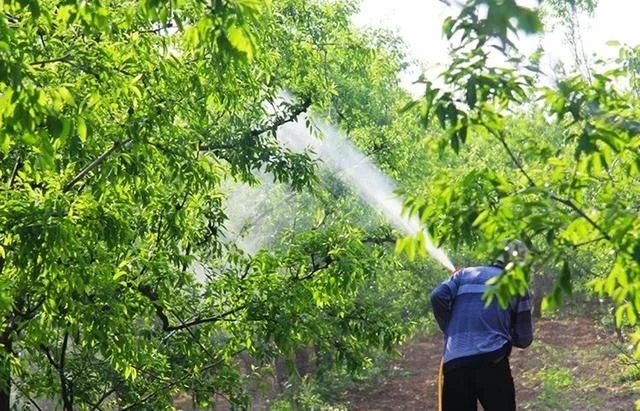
(5, 379)
(542, 284)
(616, 326)
(536, 309)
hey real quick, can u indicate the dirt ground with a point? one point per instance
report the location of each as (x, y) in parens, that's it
(572, 365)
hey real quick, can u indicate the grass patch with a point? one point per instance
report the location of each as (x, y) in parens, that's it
(554, 383)
(578, 375)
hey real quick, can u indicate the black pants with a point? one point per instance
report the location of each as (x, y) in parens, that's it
(491, 384)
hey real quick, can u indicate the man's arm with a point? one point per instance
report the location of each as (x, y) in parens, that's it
(521, 322)
(441, 301)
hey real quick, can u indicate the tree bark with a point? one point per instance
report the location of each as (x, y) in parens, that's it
(5, 379)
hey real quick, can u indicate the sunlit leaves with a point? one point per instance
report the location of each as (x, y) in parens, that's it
(120, 122)
(512, 282)
(572, 168)
(478, 22)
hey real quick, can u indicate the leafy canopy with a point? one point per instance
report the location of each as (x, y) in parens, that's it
(564, 179)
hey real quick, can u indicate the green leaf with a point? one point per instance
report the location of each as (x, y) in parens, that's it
(407, 107)
(528, 20)
(240, 39)
(5, 143)
(82, 129)
(447, 27)
(30, 139)
(620, 312)
(455, 142)
(482, 217)
(471, 95)
(462, 133)
(632, 317)
(441, 113)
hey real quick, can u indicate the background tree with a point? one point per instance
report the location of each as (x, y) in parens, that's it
(570, 17)
(560, 195)
(121, 123)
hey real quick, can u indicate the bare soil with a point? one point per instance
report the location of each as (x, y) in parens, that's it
(572, 365)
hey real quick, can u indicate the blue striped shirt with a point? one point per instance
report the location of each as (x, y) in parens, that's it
(471, 329)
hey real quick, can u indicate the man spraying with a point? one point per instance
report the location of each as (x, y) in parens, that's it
(478, 340)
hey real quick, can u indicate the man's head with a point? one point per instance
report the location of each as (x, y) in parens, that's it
(514, 250)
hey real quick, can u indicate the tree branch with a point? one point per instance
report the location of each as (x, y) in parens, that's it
(156, 30)
(95, 163)
(298, 109)
(17, 318)
(195, 339)
(511, 154)
(315, 267)
(379, 240)
(146, 289)
(595, 240)
(67, 401)
(582, 214)
(11, 18)
(148, 292)
(27, 396)
(106, 395)
(62, 58)
(200, 320)
(67, 396)
(47, 353)
(14, 172)
(554, 197)
(279, 121)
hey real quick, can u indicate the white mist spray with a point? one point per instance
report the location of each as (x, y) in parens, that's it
(357, 170)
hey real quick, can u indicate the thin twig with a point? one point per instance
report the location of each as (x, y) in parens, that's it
(279, 121)
(102, 399)
(315, 268)
(582, 214)
(14, 172)
(31, 400)
(205, 320)
(62, 58)
(511, 154)
(11, 18)
(197, 341)
(532, 183)
(595, 240)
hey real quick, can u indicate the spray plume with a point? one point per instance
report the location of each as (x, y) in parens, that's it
(357, 170)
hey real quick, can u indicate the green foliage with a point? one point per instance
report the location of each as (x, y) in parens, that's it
(630, 369)
(123, 123)
(120, 125)
(555, 166)
(555, 378)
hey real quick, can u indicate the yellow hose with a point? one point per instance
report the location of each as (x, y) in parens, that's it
(441, 370)
(440, 385)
